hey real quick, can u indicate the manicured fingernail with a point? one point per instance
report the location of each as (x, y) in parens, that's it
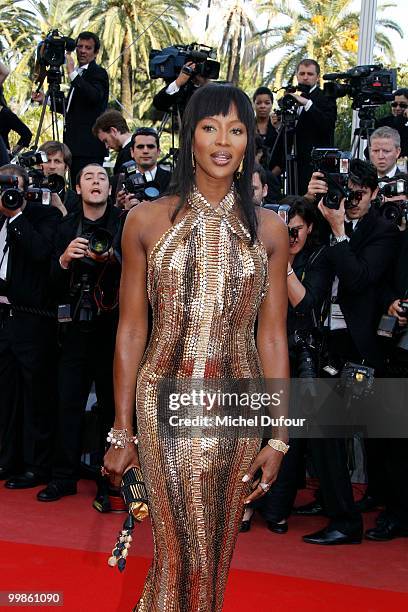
(245, 478)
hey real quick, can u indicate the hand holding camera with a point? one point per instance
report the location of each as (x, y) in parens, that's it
(317, 186)
(69, 62)
(334, 216)
(76, 249)
(399, 310)
(185, 74)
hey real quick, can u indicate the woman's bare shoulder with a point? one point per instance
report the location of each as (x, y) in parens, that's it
(271, 229)
(157, 209)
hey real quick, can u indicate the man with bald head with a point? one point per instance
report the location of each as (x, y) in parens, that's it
(87, 278)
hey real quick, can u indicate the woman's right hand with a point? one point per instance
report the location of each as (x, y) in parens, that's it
(117, 461)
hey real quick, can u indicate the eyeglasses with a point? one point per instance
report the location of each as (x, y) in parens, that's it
(400, 104)
(142, 146)
(355, 196)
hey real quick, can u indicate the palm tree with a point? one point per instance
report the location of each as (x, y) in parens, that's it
(128, 30)
(324, 30)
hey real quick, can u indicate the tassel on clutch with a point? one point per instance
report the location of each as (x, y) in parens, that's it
(134, 493)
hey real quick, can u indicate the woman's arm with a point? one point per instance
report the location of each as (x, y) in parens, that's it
(271, 336)
(272, 339)
(130, 340)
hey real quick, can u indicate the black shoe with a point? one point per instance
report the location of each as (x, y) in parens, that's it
(26, 481)
(57, 489)
(386, 530)
(367, 504)
(245, 526)
(5, 472)
(330, 536)
(277, 527)
(311, 509)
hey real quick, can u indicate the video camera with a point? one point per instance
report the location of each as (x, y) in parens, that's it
(288, 105)
(334, 164)
(167, 63)
(369, 85)
(51, 50)
(394, 210)
(13, 198)
(53, 182)
(141, 185)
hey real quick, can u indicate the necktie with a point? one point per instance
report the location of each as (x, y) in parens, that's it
(349, 228)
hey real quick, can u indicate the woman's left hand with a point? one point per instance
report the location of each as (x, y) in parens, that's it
(269, 461)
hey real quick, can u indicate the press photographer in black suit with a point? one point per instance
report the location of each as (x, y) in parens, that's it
(59, 160)
(176, 94)
(87, 285)
(361, 250)
(145, 151)
(27, 339)
(113, 131)
(317, 116)
(86, 100)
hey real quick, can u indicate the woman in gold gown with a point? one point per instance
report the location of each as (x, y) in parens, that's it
(209, 264)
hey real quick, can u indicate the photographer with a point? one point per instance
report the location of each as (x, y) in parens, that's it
(360, 252)
(111, 129)
(86, 100)
(308, 279)
(398, 120)
(59, 160)
(27, 334)
(385, 149)
(316, 121)
(145, 151)
(176, 94)
(86, 274)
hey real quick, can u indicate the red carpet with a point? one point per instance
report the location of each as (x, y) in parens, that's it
(64, 547)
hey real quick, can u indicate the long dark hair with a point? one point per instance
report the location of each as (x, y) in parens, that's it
(207, 101)
(302, 207)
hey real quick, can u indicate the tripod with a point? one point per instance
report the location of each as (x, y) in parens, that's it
(175, 115)
(286, 132)
(51, 98)
(366, 115)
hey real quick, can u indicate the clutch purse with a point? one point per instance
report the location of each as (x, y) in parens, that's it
(134, 493)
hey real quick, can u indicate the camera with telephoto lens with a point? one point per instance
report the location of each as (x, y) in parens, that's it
(53, 182)
(37, 195)
(390, 328)
(139, 184)
(51, 50)
(334, 164)
(167, 63)
(369, 85)
(395, 210)
(11, 196)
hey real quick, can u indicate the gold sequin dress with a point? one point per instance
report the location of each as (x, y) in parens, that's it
(205, 284)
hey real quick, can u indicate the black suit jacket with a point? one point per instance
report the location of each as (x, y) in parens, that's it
(162, 179)
(315, 127)
(361, 265)
(68, 229)
(89, 100)
(122, 157)
(31, 240)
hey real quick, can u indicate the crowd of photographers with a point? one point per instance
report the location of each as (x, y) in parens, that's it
(60, 270)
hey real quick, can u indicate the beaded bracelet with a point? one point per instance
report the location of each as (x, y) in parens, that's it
(120, 438)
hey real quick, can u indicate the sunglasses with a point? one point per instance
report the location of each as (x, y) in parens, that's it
(400, 104)
(142, 146)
